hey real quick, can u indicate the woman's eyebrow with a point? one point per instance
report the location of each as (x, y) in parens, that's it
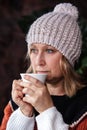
(32, 46)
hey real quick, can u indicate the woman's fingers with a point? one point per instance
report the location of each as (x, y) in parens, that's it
(38, 97)
(16, 84)
(36, 94)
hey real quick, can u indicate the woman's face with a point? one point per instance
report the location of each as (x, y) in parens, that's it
(46, 59)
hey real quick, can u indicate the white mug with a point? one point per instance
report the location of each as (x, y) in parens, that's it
(40, 77)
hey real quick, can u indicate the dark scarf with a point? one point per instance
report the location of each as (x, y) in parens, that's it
(70, 108)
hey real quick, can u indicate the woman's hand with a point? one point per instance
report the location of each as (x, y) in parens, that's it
(36, 94)
(17, 96)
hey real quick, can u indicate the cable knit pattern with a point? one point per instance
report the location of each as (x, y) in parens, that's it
(59, 29)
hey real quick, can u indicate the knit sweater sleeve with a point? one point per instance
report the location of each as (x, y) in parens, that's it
(51, 119)
(18, 121)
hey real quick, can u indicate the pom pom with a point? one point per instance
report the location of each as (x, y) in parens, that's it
(67, 8)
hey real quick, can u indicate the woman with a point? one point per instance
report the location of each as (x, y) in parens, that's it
(54, 46)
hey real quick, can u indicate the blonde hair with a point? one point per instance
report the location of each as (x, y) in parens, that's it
(72, 80)
(29, 67)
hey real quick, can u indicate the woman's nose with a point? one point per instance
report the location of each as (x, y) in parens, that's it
(40, 59)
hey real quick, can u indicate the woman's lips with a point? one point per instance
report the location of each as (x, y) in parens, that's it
(42, 72)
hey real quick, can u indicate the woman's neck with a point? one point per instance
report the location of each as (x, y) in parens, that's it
(56, 89)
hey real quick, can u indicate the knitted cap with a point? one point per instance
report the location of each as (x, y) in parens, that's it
(59, 29)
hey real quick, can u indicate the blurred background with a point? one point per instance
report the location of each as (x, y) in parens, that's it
(15, 18)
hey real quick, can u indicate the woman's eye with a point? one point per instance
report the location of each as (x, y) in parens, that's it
(49, 50)
(32, 50)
